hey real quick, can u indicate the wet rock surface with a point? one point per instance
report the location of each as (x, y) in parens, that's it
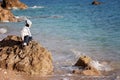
(32, 59)
(13, 4)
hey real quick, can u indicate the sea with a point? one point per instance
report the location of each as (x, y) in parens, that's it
(71, 28)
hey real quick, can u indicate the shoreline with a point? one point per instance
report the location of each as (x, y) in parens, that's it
(7, 74)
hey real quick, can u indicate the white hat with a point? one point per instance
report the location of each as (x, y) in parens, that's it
(28, 22)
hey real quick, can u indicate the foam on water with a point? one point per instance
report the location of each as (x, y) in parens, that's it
(37, 7)
(99, 66)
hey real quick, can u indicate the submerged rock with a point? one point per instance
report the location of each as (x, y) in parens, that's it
(13, 4)
(84, 62)
(33, 59)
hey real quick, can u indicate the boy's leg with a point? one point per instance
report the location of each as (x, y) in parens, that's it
(26, 40)
(30, 38)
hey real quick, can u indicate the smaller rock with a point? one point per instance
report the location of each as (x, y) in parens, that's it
(96, 2)
(83, 61)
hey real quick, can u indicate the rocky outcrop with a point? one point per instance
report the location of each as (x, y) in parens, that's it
(13, 4)
(6, 16)
(96, 2)
(32, 59)
(84, 63)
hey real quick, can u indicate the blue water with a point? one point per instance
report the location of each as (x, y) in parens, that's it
(65, 26)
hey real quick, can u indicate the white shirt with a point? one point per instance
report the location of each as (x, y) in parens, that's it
(25, 31)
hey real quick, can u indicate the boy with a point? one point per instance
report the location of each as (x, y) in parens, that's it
(25, 33)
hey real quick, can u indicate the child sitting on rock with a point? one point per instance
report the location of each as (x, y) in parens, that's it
(25, 33)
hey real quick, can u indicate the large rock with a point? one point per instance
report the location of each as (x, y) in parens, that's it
(13, 4)
(6, 15)
(33, 59)
(84, 62)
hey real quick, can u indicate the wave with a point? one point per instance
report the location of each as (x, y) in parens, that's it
(77, 53)
(22, 18)
(56, 16)
(36, 7)
(35, 17)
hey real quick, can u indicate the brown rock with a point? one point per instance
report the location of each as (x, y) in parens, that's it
(88, 69)
(96, 2)
(6, 15)
(83, 61)
(33, 59)
(12, 4)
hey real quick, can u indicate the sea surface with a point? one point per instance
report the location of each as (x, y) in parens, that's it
(70, 28)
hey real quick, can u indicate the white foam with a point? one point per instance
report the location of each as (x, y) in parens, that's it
(99, 66)
(3, 30)
(35, 7)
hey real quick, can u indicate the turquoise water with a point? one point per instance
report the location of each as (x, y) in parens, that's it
(69, 28)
